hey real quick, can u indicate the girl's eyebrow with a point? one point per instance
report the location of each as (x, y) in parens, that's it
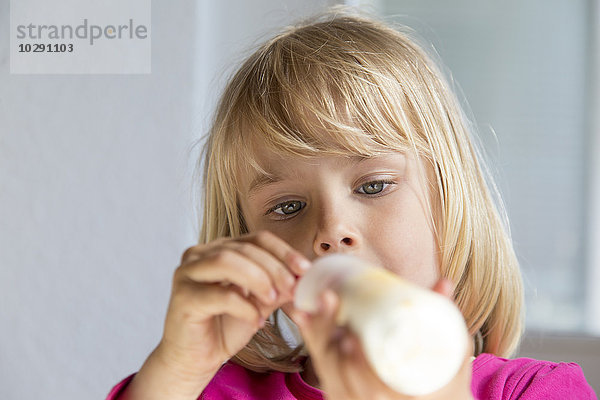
(265, 179)
(262, 180)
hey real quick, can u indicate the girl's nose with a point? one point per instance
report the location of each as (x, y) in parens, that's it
(336, 239)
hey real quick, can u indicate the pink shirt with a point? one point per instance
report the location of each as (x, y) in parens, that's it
(494, 378)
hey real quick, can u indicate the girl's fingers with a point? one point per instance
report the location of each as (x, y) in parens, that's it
(278, 259)
(316, 328)
(322, 338)
(294, 260)
(360, 375)
(230, 267)
(205, 301)
(337, 354)
(283, 278)
(280, 249)
(353, 367)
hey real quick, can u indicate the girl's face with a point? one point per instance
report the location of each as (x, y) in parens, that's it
(374, 208)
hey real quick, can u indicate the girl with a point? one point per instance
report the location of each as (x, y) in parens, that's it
(339, 135)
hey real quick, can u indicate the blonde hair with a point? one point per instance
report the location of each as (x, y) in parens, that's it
(343, 84)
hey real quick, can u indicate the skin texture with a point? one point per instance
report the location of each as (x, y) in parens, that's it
(222, 292)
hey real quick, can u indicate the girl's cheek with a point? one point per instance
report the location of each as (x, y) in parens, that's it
(292, 230)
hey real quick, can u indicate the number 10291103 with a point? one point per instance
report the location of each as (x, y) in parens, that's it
(45, 48)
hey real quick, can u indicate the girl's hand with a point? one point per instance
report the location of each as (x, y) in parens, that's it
(222, 294)
(342, 367)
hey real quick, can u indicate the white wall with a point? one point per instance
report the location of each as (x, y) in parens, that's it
(95, 205)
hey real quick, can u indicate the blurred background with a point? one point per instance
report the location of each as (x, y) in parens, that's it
(96, 172)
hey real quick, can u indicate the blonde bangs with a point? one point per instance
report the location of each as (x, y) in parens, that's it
(322, 90)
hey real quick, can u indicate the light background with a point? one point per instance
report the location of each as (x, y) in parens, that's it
(96, 205)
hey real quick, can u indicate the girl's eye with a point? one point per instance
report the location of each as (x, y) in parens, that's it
(288, 207)
(373, 187)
